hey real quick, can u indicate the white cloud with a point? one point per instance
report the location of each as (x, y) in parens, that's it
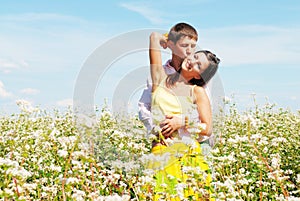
(154, 16)
(65, 102)
(253, 44)
(30, 91)
(29, 17)
(3, 92)
(46, 45)
(7, 66)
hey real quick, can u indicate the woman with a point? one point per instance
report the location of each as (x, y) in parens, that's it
(180, 94)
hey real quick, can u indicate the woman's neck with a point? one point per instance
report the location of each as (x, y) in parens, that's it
(184, 78)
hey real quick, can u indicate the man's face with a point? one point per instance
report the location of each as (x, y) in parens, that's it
(184, 47)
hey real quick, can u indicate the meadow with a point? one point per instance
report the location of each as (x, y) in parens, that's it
(50, 155)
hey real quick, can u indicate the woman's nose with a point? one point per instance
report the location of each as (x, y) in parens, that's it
(191, 58)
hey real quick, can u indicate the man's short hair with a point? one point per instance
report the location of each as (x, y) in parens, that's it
(181, 30)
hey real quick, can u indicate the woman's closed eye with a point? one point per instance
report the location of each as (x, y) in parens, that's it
(199, 66)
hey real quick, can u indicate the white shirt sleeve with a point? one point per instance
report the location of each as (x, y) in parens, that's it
(144, 107)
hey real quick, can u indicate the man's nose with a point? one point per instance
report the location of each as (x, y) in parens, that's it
(188, 51)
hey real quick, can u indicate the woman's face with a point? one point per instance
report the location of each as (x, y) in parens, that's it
(195, 64)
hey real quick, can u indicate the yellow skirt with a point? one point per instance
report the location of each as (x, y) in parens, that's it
(181, 172)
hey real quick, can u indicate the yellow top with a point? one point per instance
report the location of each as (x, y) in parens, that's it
(167, 101)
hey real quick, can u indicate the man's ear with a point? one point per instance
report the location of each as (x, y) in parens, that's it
(170, 44)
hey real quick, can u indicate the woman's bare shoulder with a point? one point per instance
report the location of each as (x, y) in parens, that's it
(198, 90)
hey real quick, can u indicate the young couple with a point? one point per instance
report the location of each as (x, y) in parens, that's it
(178, 91)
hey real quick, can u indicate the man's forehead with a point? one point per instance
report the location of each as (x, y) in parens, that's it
(187, 39)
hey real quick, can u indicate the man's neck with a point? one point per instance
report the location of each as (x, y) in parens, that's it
(176, 62)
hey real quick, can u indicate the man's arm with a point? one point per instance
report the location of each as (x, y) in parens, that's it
(171, 124)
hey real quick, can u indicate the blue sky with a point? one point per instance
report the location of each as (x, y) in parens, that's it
(44, 44)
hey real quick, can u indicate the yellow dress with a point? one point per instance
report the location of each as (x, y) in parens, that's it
(181, 171)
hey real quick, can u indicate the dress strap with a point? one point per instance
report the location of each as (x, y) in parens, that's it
(192, 94)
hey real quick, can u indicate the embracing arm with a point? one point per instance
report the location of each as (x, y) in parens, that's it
(204, 110)
(156, 69)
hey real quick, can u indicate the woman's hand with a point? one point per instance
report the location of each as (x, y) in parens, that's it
(164, 41)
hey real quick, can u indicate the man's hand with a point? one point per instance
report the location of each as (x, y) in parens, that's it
(170, 125)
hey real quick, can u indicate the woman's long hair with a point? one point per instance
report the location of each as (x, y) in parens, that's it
(173, 78)
(207, 74)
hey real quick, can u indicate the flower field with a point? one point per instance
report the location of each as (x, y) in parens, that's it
(52, 156)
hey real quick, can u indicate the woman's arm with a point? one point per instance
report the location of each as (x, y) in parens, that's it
(156, 68)
(204, 109)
